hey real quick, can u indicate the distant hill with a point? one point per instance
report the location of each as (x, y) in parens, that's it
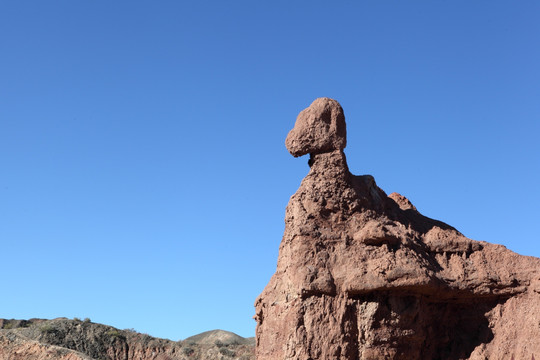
(65, 339)
(219, 337)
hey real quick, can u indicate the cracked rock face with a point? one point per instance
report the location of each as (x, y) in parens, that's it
(363, 275)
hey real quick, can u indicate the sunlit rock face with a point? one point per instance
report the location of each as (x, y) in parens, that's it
(319, 128)
(363, 275)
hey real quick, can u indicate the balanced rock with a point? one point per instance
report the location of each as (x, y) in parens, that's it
(363, 275)
(319, 128)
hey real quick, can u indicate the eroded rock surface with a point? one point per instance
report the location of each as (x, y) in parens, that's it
(363, 275)
(319, 128)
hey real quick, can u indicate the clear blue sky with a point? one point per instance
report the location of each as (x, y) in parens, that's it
(144, 176)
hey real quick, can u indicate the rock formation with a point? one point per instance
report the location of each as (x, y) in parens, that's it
(363, 275)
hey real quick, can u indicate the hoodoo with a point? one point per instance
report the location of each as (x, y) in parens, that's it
(364, 275)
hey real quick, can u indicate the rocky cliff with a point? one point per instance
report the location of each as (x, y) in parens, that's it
(363, 275)
(64, 339)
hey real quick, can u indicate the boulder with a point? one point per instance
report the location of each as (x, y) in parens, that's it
(319, 128)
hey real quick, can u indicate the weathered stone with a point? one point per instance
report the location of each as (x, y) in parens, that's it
(319, 128)
(363, 275)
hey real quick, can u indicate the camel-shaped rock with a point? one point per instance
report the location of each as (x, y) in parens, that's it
(363, 275)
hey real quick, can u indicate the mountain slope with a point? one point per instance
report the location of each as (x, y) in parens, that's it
(65, 339)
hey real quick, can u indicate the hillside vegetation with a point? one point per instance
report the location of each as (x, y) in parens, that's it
(62, 338)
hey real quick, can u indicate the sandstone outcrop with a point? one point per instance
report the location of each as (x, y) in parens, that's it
(363, 275)
(319, 128)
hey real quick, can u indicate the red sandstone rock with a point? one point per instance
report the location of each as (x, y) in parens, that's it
(319, 128)
(363, 275)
